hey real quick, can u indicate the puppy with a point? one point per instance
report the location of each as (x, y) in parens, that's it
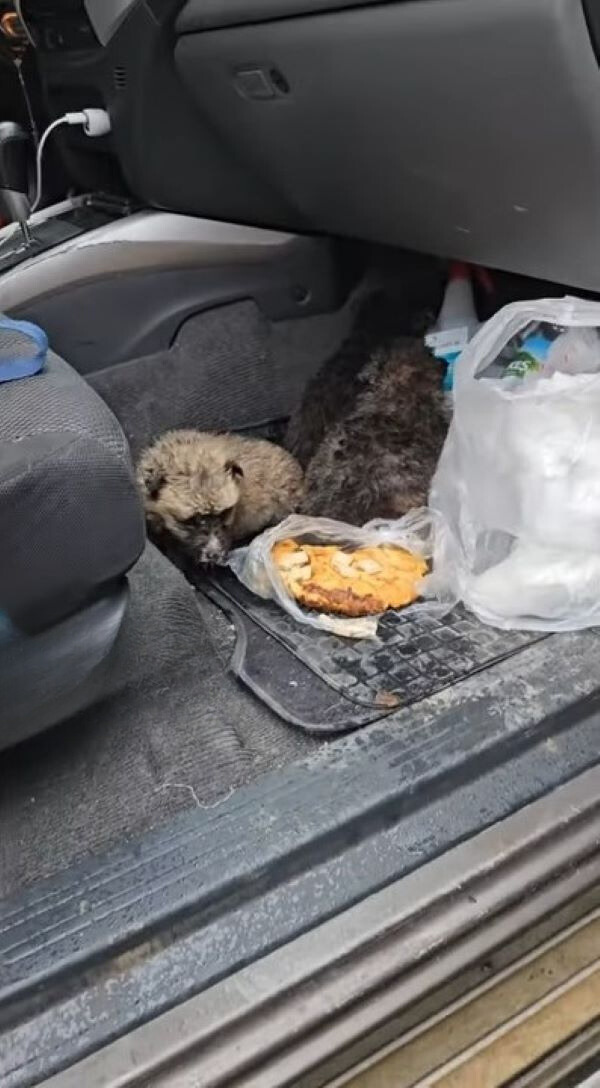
(203, 493)
(333, 391)
(378, 461)
(328, 397)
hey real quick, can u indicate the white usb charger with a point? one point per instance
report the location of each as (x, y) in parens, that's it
(95, 122)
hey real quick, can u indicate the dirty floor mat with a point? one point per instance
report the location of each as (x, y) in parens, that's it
(412, 658)
(229, 369)
(176, 731)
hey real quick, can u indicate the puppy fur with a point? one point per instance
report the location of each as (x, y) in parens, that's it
(332, 393)
(378, 460)
(327, 398)
(203, 492)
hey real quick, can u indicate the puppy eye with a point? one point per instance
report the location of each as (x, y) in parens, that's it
(195, 519)
(154, 484)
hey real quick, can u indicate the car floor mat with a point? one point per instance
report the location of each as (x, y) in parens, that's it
(296, 670)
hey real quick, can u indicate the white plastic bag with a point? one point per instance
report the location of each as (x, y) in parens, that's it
(257, 571)
(518, 482)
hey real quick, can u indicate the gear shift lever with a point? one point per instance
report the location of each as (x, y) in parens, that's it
(14, 175)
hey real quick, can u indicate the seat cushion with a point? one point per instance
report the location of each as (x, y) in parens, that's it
(71, 517)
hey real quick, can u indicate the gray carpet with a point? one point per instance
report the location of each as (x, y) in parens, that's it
(229, 369)
(176, 731)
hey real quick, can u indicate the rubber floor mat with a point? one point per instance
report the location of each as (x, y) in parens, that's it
(411, 659)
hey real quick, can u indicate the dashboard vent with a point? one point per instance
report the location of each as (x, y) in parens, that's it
(119, 78)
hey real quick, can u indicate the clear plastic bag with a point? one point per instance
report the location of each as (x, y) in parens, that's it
(518, 482)
(256, 570)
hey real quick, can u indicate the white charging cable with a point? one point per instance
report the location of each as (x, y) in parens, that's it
(95, 122)
(23, 22)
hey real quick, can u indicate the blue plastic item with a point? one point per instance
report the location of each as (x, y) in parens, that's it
(537, 345)
(450, 359)
(23, 349)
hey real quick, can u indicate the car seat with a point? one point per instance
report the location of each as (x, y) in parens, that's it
(72, 526)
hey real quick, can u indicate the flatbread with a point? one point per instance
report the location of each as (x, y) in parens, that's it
(349, 583)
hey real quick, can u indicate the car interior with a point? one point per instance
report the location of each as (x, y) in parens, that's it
(182, 788)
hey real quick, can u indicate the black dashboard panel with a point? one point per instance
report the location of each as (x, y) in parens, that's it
(211, 14)
(462, 128)
(592, 14)
(73, 74)
(168, 148)
(161, 150)
(59, 26)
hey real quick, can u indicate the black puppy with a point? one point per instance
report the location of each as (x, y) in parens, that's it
(378, 459)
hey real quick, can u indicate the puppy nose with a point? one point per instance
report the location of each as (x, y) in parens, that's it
(214, 553)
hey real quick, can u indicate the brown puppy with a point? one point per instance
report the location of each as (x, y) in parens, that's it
(206, 492)
(378, 460)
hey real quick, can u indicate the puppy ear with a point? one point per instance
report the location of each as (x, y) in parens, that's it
(153, 481)
(234, 469)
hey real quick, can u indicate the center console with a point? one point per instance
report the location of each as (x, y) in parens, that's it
(69, 220)
(70, 61)
(75, 73)
(112, 277)
(60, 26)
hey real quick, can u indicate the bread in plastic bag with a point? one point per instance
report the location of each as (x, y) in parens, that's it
(518, 481)
(255, 568)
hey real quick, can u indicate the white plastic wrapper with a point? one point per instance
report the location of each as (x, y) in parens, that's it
(256, 570)
(518, 482)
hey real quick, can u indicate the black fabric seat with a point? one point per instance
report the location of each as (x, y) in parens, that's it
(72, 526)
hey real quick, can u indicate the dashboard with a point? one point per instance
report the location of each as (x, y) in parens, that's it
(467, 129)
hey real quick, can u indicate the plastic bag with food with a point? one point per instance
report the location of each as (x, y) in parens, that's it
(340, 578)
(518, 481)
